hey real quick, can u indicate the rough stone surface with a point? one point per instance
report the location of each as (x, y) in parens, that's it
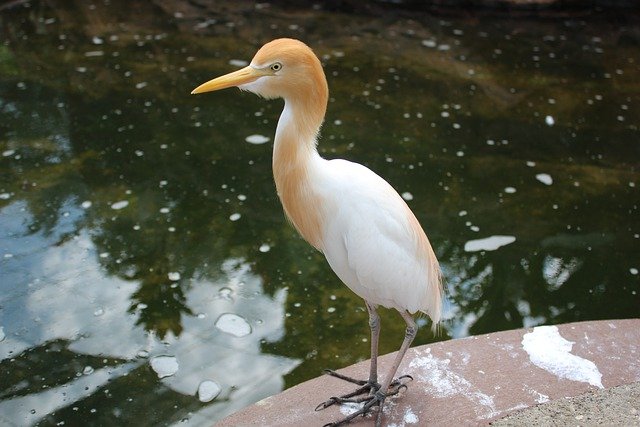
(474, 380)
(619, 406)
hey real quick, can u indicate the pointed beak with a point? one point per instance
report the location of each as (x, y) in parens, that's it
(236, 78)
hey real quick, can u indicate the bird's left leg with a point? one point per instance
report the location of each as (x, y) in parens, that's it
(366, 387)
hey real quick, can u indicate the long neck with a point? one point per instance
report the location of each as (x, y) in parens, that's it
(295, 161)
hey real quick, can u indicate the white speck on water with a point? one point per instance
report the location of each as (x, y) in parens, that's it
(99, 312)
(208, 390)
(488, 244)
(633, 271)
(94, 53)
(97, 40)
(235, 216)
(549, 351)
(429, 43)
(2, 334)
(257, 139)
(164, 366)
(174, 276)
(410, 417)
(164, 210)
(88, 370)
(462, 213)
(509, 190)
(530, 163)
(120, 205)
(549, 120)
(143, 354)
(233, 324)
(238, 62)
(331, 310)
(5, 196)
(141, 85)
(407, 196)
(7, 153)
(86, 204)
(264, 248)
(544, 178)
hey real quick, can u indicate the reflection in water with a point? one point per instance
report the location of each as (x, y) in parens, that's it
(60, 304)
(139, 225)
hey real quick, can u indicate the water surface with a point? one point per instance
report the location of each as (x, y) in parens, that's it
(147, 273)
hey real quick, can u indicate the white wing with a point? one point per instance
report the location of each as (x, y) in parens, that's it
(375, 244)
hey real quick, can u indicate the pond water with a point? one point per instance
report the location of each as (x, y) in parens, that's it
(147, 273)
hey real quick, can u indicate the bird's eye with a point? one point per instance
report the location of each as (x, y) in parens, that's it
(276, 66)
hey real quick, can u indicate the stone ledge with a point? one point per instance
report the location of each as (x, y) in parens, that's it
(474, 380)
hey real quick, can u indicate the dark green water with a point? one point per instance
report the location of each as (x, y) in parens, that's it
(137, 222)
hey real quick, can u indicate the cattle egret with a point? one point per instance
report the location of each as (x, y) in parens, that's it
(368, 234)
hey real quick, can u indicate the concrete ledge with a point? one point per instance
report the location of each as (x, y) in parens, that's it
(475, 380)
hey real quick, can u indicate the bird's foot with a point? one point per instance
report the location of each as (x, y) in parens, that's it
(367, 404)
(367, 387)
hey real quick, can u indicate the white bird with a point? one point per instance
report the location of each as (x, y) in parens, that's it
(368, 234)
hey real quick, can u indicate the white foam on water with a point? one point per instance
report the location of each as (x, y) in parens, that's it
(233, 324)
(548, 350)
(164, 366)
(490, 243)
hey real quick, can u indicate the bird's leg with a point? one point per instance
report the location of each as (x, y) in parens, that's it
(389, 387)
(366, 387)
(409, 335)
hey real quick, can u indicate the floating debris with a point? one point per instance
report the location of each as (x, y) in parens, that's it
(174, 276)
(407, 196)
(264, 248)
(235, 216)
(549, 121)
(257, 139)
(208, 390)
(164, 366)
(120, 205)
(233, 324)
(2, 334)
(488, 244)
(544, 178)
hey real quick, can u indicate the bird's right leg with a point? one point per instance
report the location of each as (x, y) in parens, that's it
(368, 387)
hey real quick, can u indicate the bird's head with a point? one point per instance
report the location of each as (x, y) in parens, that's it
(282, 68)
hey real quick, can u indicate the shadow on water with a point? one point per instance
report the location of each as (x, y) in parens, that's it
(144, 253)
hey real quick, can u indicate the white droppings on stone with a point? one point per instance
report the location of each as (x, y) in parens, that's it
(410, 417)
(488, 244)
(441, 381)
(548, 350)
(349, 408)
